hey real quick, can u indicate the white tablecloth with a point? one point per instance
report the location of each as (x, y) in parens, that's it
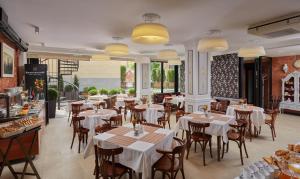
(257, 117)
(152, 113)
(121, 101)
(216, 128)
(176, 100)
(98, 97)
(86, 104)
(140, 155)
(92, 120)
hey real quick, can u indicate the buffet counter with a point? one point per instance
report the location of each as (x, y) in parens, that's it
(29, 116)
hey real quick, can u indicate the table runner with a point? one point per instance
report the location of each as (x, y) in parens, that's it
(120, 130)
(153, 138)
(121, 140)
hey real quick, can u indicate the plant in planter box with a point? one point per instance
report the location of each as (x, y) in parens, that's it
(93, 92)
(121, 91)
(69, 92)
(103, 91)
(113, 92)
(92, 88)
(131, 92)
(52, 97)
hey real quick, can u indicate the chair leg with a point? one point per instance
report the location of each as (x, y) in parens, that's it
(152, 173)
(244, 144)
(241, 153)
(250, 132)
(169, 125)
(210, 151)
(203, 152)
(182, 135)
(195, 146)
(130, 174)
(182, 172)
(227, 149)
(79, 142)
(223, 150)
(164, 175)
(74, 134)
(188, 150)
(272, 131)
(259, 130)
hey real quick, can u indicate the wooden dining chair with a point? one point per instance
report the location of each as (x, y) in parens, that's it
(75, 110)
(99, 105)
(81, 132)
(270, 121)
(103, 128)
(245, 116)
(197, 134)
(116, 121)
(166, 116)
(129, 105)
(171, 162)
(144, 99)
(152, 125)
(237, 135)
(137, 114)
(106, 165)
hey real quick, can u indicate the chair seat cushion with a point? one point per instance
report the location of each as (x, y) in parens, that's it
(164, 163)
(232, 135)
(200, 136)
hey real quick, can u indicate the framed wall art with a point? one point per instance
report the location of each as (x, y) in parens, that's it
(7, 60)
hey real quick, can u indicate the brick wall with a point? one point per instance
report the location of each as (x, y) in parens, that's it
(10, 82)
(278, 74)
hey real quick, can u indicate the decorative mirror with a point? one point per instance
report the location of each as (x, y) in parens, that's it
(297, 63)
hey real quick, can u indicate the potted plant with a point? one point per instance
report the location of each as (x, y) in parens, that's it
(103, 91)
(69, 92)
(52, 98)
(131, 92)
(113, 92)
(93, 92)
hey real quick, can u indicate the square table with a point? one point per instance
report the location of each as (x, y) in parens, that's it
(139, 152)
(219, 125)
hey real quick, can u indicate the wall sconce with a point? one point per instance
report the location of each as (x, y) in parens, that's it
(285, 68)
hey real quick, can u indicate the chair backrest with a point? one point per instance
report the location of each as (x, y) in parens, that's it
(138, 114)
(241, 128)
(243, 115)
(103, 128)
(76, 108)
(99, 104)
(178, 151)
(113, 101)
(152, 125)
(243, 101)
(168, 111)
(197, 127)
(76, 122)
(273, 113)
(179, 113)
(129, 103)
(105, 160)
(116, 120)
(144, 99)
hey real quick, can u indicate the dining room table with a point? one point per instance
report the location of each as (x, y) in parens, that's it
(152, 112)
(121, 101)
(257, 116)
(93, 118)
(139, 151)
(219, 125)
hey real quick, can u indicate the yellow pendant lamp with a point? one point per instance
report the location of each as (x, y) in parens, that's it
(171, 56)
(150, 33)
(251, 52)
(212, 44)
(116, 49)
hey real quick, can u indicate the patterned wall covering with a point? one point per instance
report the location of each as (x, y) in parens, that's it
(225, 76)
(182, 77)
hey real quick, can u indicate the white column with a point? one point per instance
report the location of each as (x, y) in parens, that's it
(197, 78)
(143, 78)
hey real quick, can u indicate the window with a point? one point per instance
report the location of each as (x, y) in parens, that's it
(127, 75)
(156, 76)
(164, 77)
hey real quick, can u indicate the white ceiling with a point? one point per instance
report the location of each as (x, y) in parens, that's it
(87, 25)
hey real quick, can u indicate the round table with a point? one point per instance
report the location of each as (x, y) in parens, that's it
(93, 118)
(85, 104)
(257, 117)
(152, 113)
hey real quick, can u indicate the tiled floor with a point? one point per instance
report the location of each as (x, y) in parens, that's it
(58, 161)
